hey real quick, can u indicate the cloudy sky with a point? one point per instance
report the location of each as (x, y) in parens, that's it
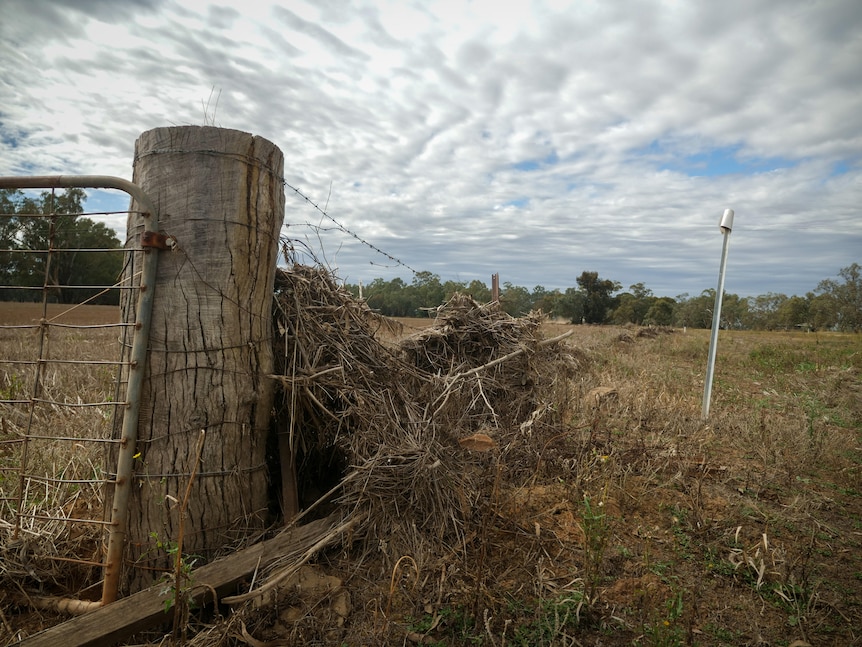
(532, 139)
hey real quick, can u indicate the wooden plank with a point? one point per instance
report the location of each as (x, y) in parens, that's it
(117, 621)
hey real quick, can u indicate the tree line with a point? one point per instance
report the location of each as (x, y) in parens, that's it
(70, 237)
(835, 304)
(832, 305)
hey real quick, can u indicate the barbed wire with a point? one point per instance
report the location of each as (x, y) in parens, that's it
(347, 231)
(273, 171)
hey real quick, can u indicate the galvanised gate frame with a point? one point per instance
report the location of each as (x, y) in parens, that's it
(149, 245)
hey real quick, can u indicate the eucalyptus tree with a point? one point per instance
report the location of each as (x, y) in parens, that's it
(846, 297)
(598, 296)
(52, 221)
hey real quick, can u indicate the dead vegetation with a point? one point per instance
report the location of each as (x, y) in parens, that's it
(411, 424)
(54, 542)
(498, 483)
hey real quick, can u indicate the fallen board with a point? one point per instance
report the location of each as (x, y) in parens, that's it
(113, 623)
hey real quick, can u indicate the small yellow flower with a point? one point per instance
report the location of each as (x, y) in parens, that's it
(136, 456)
(666, 623)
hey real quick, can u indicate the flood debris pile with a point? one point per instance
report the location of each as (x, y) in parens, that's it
(482, 359)
(415, 425)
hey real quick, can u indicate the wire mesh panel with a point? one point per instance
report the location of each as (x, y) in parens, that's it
(63, 384)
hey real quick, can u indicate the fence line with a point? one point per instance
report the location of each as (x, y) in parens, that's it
(345, 229)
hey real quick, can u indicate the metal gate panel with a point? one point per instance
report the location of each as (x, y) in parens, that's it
(55, 478)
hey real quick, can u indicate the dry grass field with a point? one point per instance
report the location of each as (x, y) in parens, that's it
(641, 523)
(66, 465)
(18, 314)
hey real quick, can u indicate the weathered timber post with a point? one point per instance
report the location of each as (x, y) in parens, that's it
(220, 194)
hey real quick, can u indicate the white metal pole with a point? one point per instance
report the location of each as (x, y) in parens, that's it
(725, 226)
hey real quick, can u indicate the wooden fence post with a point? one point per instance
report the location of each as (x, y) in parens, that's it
(220, 195)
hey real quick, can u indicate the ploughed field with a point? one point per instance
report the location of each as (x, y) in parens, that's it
(17, 314)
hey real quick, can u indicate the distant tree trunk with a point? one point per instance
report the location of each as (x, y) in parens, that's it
(220, 194)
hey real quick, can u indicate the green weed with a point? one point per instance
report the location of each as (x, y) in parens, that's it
(175, 592)
(13, 387)
(667, 631)
(553, 619)
(594, 524)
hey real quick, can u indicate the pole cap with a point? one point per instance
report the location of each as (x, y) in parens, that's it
(726, 223)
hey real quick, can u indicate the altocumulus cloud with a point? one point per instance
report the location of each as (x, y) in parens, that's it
(533, 139)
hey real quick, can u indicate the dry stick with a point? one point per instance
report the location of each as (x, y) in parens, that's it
(251, 641)
(392, 580)
(289, 381)
(484, 397)
(287, 452)
(299, 517)
(293, 568)
(63, 605)
(298, 353)
(9, 629)
(320, 404)
(491, 364)
(211, 589)
(178, 563)
(254, 575)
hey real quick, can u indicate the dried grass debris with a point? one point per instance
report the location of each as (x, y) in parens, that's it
(397, 413)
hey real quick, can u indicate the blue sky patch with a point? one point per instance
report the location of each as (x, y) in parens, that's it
(8, 136)
(527, 165)
(722, 160)
(841, 168)
(535, 164)
(100, 200)
(520, 203)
